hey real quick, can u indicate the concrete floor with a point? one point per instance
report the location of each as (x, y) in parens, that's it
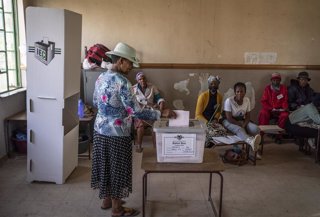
(284, 183)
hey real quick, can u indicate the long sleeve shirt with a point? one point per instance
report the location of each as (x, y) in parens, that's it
(150, 97)
(202, 104)
(273, 99)
(298, 96)
(116, 105)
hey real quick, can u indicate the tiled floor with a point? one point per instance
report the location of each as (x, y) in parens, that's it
(285, 183)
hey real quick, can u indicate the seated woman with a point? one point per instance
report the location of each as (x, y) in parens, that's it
(148, 97)
(301, 121)
(209, 102)
(237, 117)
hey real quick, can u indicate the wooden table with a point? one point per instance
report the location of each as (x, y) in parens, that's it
(212, 163)
(22, 117)
(87, 120)
(18, 117)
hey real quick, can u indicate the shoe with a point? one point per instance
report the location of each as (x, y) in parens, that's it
(254, 142)
(139, 149)
(312, 143)
(258, 156)
(125, 212)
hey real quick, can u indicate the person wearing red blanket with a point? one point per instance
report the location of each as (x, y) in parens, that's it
(274, 102)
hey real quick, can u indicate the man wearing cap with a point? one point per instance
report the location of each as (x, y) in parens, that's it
(299, 92)
(148, 97)
(210, 102)
(274, 102)
(112, 150)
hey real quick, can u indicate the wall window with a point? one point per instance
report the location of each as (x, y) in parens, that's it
(10, 75)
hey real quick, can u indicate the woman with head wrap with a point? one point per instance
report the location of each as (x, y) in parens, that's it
(209, 102)
(148, 97)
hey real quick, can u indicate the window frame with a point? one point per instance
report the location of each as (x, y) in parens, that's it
(9, 87)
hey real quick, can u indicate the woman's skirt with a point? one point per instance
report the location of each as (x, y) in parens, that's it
(112, 166)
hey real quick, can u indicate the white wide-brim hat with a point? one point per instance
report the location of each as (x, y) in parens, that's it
(125, 51)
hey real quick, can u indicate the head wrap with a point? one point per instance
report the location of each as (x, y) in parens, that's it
(213, 78)
(138, 75)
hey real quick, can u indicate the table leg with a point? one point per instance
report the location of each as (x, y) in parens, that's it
(317, 147)
(89, 150)
(221, 192)
(6, 134)
(144, 192)
(7, 140)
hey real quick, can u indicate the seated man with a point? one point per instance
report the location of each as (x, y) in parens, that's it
(274, 102)
(299, 92)
(302, 121)
(148, 96)
(209, 102)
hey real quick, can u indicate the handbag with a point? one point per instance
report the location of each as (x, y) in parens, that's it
(238, 157)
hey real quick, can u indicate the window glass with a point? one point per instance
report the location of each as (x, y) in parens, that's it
(2, 44)
(1, 20)
(10, 41)
(7, 5)
(11, 60)
(9, 22)
(12, 79)
(3, 62)
(3, 83)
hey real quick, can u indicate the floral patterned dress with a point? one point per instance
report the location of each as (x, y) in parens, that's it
(112, 151)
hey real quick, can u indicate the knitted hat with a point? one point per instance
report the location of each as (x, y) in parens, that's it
(275, 75)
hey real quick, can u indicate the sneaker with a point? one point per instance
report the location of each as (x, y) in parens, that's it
(258, 156)
(312, 143)
(254, 142)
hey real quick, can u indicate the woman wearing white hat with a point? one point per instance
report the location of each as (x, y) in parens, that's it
(112, 151)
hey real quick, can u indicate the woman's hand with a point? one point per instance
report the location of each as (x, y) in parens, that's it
(168, 113)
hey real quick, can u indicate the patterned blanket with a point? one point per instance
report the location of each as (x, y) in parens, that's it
(214, 130)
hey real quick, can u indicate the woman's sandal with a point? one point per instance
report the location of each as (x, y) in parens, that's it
(139, 149)
(107, 203)
(125, 212)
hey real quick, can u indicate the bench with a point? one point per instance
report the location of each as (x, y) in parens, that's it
(269, 130)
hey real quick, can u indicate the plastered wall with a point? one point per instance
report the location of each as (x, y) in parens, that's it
(171, 83)
(202, 31)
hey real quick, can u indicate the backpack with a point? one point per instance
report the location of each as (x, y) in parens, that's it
(97, 53)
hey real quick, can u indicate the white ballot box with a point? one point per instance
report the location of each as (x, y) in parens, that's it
(180, 144)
